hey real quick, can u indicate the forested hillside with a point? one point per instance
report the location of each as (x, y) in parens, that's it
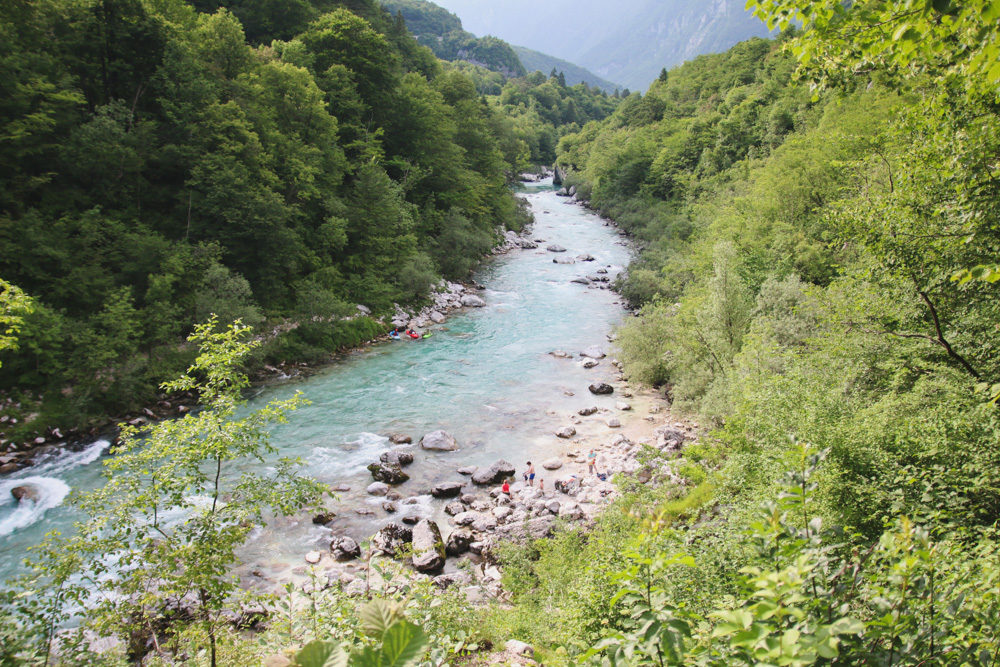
(818, 288)
(442, 32)
(159, 167)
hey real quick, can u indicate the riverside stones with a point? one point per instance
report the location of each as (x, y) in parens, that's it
(622, 405)
(589, 363)
(614, 422)
(552, 464)
(520, 648)
(566, 432)
(594, 352)
(391, 538)
(400, 439)
(428, 547)
(313, 557)
(472, 301)
(495, 474)
(467, 470)
(397, 457)
(388, 473)
(586, 412)
(601, 388)
(453, 508)
(439, 441)
(459, 541)
(344, 548)
(447, 489)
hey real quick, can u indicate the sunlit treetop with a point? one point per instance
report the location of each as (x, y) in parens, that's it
(946, 39)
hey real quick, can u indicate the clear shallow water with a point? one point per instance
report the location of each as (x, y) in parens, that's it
(485, 376)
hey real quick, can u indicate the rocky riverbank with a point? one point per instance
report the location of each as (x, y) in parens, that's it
(460, 550)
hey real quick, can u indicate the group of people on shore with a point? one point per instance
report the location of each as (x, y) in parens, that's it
(529, 474)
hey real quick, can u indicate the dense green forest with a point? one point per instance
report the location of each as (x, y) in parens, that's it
(162, 163)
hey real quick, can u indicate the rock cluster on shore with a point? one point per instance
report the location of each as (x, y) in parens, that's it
(481, 515)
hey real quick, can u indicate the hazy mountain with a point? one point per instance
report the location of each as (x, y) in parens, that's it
(627, 41)
(442, 31)
(535, 60)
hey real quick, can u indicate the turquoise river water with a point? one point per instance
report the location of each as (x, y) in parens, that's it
(486, 376)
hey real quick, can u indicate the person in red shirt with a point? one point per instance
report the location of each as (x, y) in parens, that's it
(505, 488)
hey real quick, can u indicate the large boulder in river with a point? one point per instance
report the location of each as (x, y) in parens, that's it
(344, 548)
(472, 301)
(447, 489)
(566, 432)
(601, 388)
(397, 457)
(378, 488)
(428, 547)
(555, 247)
(495, 474)
(391, 539)
(388, 473)
(594, 352)
(25, 492)
(440, 441)
(400, 439)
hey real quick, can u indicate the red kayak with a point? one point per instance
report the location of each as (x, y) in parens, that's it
(412, 334)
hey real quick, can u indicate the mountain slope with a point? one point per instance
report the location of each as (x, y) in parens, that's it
(628, 41)
(542, 62)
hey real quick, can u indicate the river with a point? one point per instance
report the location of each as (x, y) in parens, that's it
(485, 375)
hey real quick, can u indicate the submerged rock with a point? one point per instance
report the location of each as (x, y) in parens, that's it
(388, 473)
(324, 518)
(24, 492)
(378, 488)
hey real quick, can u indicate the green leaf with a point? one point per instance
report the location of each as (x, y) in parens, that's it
(402, 645)
(322, 654)
(377, 616)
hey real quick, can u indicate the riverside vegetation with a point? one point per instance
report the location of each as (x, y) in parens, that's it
(819, 285)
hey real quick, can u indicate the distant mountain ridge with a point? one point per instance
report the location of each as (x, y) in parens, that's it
(543, 62)
(442, 32)
(627, 41)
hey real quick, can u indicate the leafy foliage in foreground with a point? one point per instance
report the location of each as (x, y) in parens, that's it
(157, 544)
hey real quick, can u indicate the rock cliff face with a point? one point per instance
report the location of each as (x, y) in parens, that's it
(665, 33)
